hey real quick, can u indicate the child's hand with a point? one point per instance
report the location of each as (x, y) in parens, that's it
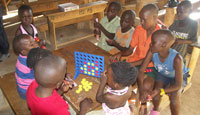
(65, 86)
(85, 105)
(104, 77)
(155, 92)
(97, 32)
(115, 57)
(143, 96)
(110, 42)
(97, 24)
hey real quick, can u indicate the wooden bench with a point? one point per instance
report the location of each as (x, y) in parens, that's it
(9, 88)
(85, 12)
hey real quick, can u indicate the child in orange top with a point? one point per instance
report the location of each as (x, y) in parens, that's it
(124, 33)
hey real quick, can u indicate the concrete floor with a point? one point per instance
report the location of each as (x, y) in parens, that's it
(190, 101)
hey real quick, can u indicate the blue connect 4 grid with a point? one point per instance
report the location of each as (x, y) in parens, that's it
(88, 64)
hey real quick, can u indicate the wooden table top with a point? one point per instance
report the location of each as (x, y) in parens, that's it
(68, 54)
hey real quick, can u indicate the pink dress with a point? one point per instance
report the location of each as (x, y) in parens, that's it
(125, 110)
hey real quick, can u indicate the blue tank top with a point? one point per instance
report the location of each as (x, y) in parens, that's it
(167, 68)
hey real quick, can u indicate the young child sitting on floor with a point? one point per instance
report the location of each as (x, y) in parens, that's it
(184, 29)
(108, 25)
(42, 98)
(35, 55)
(124, 33)
(25, 14)
(171, 71)
(22, 44)
(119, 77)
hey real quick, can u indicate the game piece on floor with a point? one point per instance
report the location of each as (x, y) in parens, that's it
(88, 64)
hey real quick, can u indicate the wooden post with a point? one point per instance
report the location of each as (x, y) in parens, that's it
(193, 61)
(139, 6)
(169, 16)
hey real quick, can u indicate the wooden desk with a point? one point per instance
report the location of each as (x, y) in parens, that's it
(68, 54)
(85, 12)
(44, 5)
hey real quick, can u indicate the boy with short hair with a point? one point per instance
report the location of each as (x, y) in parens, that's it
(171, 72)
(22, 44)
(42, 98)
(124, 33)
(108, 25)
(184, 29)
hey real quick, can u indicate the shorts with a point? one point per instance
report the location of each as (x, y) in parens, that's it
(151, 72)
(168, 81)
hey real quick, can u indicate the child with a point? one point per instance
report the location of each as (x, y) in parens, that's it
(184, 29)
(22, 44)
(25, 14)
(171, 72)
(35, 55)
(108, 25)
(119, 77)
(124, 33)
(141, 40)
(42, 98)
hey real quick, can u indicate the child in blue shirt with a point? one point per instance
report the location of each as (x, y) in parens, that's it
(171, 72)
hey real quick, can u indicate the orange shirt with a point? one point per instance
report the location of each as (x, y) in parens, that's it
(141, 43)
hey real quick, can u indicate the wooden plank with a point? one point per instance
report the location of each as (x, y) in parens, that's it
(46, 6)
(68, 54)
(9, 88)
(88, 9)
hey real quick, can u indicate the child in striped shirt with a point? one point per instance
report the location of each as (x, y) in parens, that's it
(22, 44)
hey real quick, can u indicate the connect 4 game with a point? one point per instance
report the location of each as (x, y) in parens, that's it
(88, 64)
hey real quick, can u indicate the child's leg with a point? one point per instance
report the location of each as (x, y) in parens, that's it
(174, 98)
(157, 98)
(148, 85)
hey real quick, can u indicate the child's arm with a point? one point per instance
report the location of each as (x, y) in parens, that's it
(102, 29)
(118, 56)
(178, 66)
(141, 75)
(102, 97)
(115, 44)
(84, 106)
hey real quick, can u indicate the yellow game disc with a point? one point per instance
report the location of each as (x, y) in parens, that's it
(85, 65)
(92, 70)
(88, 63)
(90, 83)
(85, 72)
(92, 64)
(81, 68)
(93, 74)
(89, 73)
(85, 69)
(96, 68)
(83, 79)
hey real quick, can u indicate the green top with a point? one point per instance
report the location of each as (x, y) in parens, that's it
(110, 27)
